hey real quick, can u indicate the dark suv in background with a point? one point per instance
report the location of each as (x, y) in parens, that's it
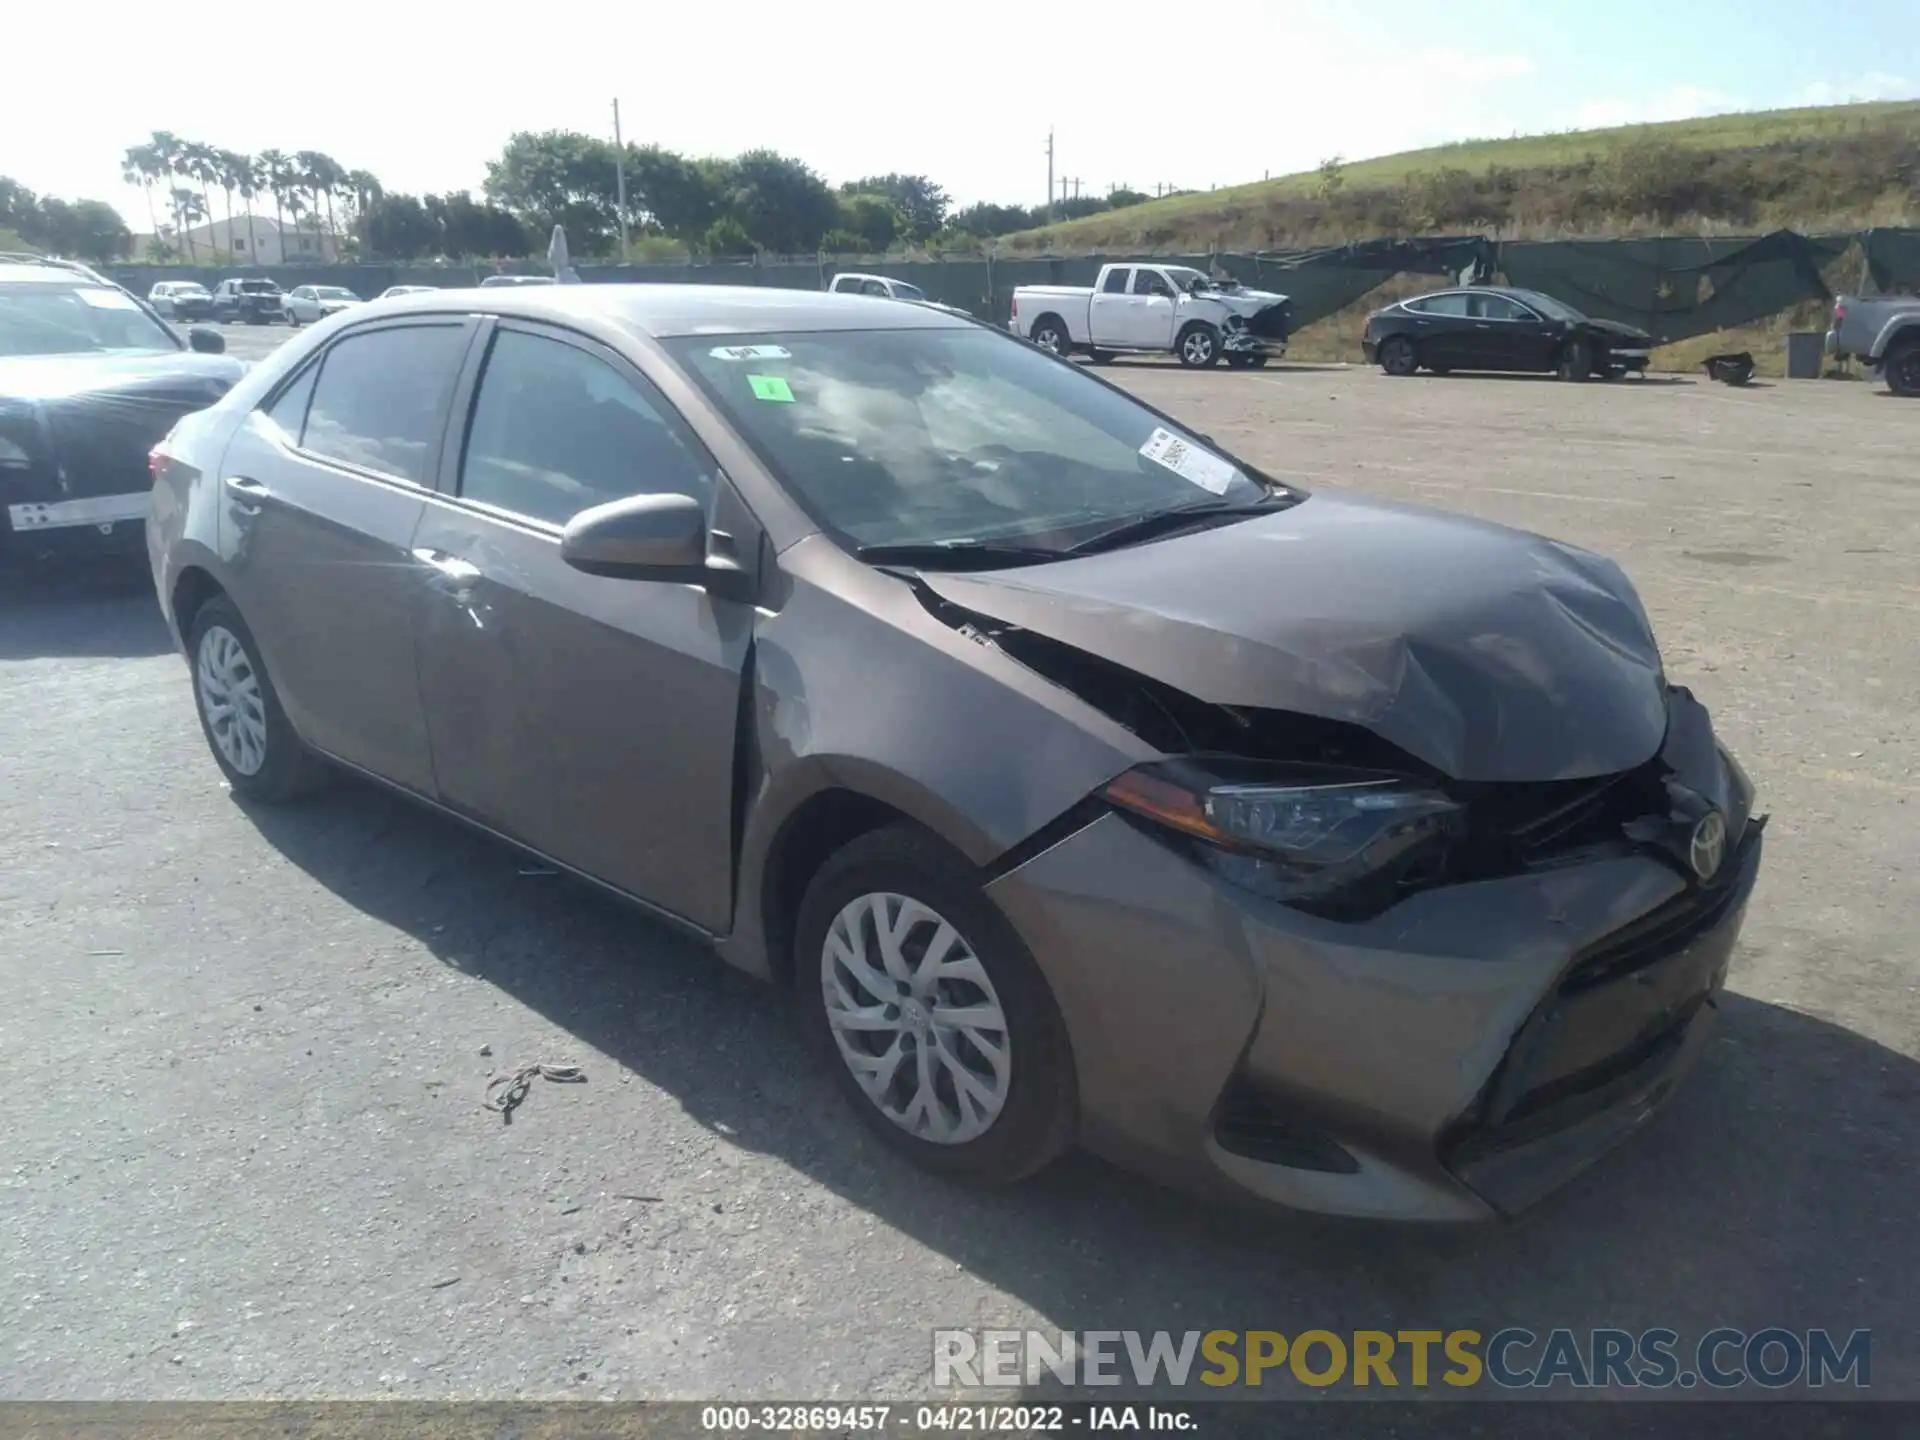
(257, 302)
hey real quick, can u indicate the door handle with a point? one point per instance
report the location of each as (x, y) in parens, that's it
(1483, 326)
(244, 489)
(450, 572)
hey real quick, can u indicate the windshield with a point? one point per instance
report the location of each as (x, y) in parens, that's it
(258, 287)
(932, 437)
(1548, 306)
(44, 319)
(333, 292)
(904, 291)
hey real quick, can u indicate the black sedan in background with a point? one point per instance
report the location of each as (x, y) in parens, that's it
(90, 380)
(1486, 327)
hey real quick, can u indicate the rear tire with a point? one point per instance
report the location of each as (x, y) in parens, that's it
(1100, 357)
(1050, 334)
(1902, 369)
(252, 741)
(1576, 360)
(1399, 355)
(1198, 346)
(1246, 362)
(1017, 1114)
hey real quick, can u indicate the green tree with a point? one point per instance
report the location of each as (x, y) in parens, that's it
(141, 166)
(727, 237)
(782, 205)
(246, 180)
(678, 196)
(559, 177)
(273, 173)
(398, 227)
(872, 221)
(922, 205)
(88, 229)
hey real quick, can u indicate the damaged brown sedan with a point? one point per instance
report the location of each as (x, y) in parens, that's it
(1084, 783)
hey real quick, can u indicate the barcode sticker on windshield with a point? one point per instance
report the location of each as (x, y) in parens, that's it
(1189, 461)
(105, 299)
(750, 352)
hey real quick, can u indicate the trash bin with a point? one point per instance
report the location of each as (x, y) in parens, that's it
(1805, 351)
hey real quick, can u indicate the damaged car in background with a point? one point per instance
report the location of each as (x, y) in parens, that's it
(1084, 784)
(1156, 308)
(90, 378)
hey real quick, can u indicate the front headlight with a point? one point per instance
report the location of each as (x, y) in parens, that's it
(1341, 844)
(12, 457)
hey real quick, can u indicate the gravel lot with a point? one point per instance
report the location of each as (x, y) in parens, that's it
(245, 1052)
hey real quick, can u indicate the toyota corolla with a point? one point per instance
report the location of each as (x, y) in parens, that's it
(1085, 784)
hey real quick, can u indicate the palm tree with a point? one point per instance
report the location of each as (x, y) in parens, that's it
(323, 175)
(365, 187)
(187, 208)
(200, 162)
(141, 166)
(226, 168)
(165, 148)
(246, 179)
(272, 170)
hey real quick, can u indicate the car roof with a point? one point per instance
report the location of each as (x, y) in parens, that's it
(662, 311)
(13, 273)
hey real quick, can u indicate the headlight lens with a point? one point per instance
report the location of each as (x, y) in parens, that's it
(1343, 844)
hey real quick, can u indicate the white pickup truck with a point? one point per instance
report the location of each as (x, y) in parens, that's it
(1155, 308)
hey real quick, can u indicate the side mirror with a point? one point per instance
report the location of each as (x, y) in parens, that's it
(649, 537)
(207, 340)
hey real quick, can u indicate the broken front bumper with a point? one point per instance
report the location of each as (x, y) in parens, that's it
(1459, 1056)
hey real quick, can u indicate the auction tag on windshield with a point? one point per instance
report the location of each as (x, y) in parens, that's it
(750, 352)
(106, 299)
(1189, 462)
(771, 387)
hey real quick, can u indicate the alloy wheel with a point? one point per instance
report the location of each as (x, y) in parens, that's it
(1048, 339)
(1197, 348)
(231, 700)
(916, 1018)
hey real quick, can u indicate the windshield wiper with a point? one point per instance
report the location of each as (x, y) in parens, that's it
(1166, 522)
(955, 555)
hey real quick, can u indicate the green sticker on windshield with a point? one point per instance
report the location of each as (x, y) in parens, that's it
(771, 387)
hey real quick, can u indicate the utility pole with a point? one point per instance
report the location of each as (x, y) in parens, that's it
(1049, 173)
(620, 179)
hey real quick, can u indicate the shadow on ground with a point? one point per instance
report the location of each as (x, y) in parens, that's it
(78, 609)
(1777, 1189)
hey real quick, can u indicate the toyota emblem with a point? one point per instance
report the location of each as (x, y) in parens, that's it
(1709, 846)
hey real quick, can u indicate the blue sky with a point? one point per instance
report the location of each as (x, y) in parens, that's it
(1213, 94)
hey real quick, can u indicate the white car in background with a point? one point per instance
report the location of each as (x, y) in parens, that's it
(886, 287)
(306, 304)
(181, 300)
(393, 290)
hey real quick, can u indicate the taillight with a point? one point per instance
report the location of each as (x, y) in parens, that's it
(1839, 311)
(1016, 307)
(156, 464)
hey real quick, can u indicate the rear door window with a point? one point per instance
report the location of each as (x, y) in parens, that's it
(1454, 305)
(381, 398)
(1116, 281)
(557, 430)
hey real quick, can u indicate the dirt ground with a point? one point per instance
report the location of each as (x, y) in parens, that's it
(244, 1052)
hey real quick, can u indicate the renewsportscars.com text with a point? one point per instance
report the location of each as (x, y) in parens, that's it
(1512, 1358)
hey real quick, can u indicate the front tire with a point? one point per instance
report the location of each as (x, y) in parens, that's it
(1198, 346)
(1576, 360)
(1902, 369)
(936, 1022)
(249, 734)
(1399, 356)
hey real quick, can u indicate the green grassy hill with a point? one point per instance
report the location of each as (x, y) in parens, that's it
(1837, 166)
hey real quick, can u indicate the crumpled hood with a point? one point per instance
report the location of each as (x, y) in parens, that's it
(1242, 302)
(1490, 654)
(55, 377)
